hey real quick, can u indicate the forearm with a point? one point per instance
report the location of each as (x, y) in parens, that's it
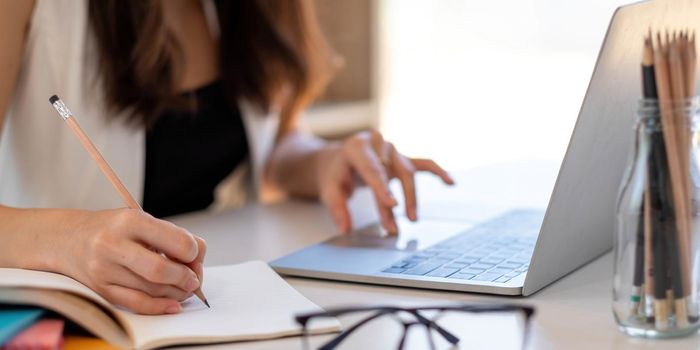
(34, 238)
(294, 164)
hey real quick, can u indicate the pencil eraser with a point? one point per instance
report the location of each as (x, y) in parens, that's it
(53, 99)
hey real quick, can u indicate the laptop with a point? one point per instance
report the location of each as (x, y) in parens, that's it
(522, 250)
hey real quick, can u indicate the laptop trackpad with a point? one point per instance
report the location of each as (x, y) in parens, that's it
(412, 237)
(368, 250)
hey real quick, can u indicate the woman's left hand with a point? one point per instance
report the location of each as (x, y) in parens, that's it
(367, 157)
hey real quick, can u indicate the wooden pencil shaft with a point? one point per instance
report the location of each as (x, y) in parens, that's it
(677, 84)
(102, 164)
(644, 258)
(692, 65)
(661, 314)
(681, 311)
(648, 248)
(688, 77)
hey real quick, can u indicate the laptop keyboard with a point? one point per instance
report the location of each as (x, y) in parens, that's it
(495, 251)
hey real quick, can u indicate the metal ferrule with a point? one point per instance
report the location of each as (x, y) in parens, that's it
(62, 109)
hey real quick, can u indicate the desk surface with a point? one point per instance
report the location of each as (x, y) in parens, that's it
(573, 313)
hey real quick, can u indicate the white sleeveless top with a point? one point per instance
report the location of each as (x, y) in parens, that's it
(43, 165)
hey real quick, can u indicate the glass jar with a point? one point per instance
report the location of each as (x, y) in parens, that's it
(655, 291)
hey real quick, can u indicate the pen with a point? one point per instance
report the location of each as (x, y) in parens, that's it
(67, 116)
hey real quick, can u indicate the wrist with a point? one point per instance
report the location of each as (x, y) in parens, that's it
(62, 253)
(41, 239)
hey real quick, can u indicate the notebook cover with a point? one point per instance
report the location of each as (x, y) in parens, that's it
(13, 321)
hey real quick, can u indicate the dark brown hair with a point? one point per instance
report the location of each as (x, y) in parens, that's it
(271, 52)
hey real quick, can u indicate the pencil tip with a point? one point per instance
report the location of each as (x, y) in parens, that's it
(53, 99)
(207, 303)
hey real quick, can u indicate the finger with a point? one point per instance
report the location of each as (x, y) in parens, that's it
(430, 166)
(158, 269)
(166, 237)
(198, 264)
(381, 193)
(126, 278)
(387, 217)
(366, 163)
(336, 202)
(141, 302)
(404, 170)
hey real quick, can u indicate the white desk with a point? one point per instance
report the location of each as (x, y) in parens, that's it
(573, 313)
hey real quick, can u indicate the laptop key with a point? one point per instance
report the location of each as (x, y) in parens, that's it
(472, 271)
(394, 270)
(441, 272)
(491, 260)
(478, 254)
(416, 258)
(503, 279)
(422, 269)
(456, 265)
(501, 255)
(501, 271)
(462, 276)
(467, 260)
(510, 265)
(487, 277)
(481, 265)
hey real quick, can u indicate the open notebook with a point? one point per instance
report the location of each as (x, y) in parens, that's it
(248, 301)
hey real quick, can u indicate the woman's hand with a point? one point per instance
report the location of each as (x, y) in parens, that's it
(374, 161)
(117, 254)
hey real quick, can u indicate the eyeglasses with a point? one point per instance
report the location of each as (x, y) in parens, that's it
(427, 317)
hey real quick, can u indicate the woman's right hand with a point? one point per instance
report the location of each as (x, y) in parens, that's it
(117, 253)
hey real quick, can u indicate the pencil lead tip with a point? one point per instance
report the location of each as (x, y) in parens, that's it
(53, 99)
(207, 303)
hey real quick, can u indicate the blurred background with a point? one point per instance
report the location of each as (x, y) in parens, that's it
(467, 82)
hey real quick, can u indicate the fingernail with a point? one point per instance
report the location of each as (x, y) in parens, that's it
(192, 284)
(173, 309)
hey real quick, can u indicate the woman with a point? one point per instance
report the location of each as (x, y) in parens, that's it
(195, 104)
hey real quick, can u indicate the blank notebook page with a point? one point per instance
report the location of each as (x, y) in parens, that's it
(248, 301)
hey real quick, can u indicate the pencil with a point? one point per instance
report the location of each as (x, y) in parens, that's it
(644, 258)
(681, 273)
(643, 272)
(68, 117)
(689, 56)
